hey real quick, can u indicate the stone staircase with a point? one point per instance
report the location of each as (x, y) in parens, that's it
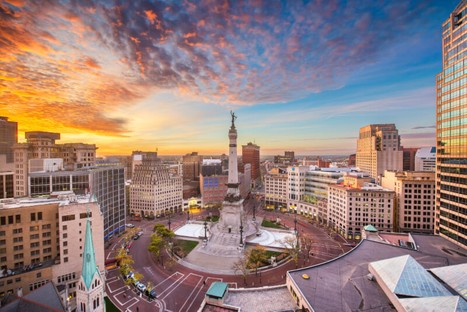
(222, 244)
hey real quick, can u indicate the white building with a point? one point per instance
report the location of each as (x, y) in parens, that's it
(425, 159)
(415, 199)
(275, 189)
(351, 207)
(154, 191)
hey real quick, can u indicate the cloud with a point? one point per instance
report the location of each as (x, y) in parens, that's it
(92, 57)
(425, 135)
(424, 127)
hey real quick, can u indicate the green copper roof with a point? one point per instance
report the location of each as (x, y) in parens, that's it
(89, 258)
(217, 290)
(370, 228)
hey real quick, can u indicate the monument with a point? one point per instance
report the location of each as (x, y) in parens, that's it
(227, 238)
(232, 207)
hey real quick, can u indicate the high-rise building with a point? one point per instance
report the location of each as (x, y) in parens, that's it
(41, 145)
(425, 159)
(8, 137)
(191, 166)
(287, 158)
(106, 183)
(352, 160)
(408, 158)
(211, 167)
(6, 185)
(154, 191)
(43, 240)
(379, 149)
(250, 155)
(275, 190)
(350, 208)
(214, 187)
(451, 131)
(137, 158)
(415, 199)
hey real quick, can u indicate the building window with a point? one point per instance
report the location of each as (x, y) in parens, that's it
(33, 216)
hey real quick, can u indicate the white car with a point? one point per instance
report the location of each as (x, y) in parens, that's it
(130, 225)
(140, 286)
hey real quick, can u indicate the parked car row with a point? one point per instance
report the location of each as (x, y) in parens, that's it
(141, 287)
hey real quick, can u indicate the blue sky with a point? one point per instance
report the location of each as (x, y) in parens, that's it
(300, 75)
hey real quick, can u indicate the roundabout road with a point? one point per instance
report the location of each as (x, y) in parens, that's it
(179, 288)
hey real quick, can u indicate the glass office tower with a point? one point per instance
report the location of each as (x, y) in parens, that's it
(451, 130)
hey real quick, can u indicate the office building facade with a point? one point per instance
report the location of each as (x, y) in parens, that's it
(415, 199)
(154, 191)
(351, 208)
(379, 149)
(41, 145)
(451, 131)
(8, 138)
(425, 159)
(275, 190)
(191, 166)
(250, 155)
(107, 184)
(50, 247)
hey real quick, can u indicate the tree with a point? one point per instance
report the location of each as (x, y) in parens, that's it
(156, 246)
(306, 243)
(257, 258)
(125, 261)
(291, 246)
(128, 236)
(240, 267)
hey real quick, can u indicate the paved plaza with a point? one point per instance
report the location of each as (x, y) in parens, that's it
(182, 285)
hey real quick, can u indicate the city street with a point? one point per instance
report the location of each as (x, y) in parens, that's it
(179, 288)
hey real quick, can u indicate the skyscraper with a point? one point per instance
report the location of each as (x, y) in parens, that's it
(250, 155)
(451, 130)
(8, 137)
(379, 149)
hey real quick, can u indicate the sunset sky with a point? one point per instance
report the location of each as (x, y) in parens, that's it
(300, 75)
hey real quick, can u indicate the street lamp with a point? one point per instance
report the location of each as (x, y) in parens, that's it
(254, 211)
(188, 215)
(169, 222)
(241, 233)
(295, 221)
(205, 229)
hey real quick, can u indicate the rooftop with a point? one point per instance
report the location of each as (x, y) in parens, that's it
(217, 290)
(345, 280)
(62, 198)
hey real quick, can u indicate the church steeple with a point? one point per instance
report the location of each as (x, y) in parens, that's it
(90, 294)
(89, 268)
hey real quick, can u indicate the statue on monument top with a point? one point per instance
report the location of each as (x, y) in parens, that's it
(233, 118)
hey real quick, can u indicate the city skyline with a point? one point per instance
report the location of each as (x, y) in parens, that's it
(141, 76)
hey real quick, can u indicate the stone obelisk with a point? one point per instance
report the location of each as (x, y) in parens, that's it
(232, 207)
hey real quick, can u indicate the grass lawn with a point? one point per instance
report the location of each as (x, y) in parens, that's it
(186, 245)
(270, 253)
(109, 306)
(270, 224)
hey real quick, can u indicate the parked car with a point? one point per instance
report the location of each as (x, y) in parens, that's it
(136, 236)
(129, 275)
(151, 293)
(140, 286)
(130, 225)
